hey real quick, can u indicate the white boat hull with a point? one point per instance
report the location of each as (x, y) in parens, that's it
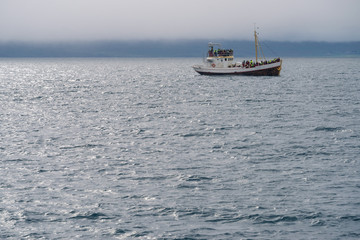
(272, 69)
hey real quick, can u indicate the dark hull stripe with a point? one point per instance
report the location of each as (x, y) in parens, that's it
(275, 71)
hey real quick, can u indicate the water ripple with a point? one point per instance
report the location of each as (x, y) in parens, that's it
(106, 149)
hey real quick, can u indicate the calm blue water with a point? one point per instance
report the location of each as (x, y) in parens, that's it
(148, 149)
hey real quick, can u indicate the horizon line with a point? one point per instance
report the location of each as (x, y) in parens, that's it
(73, 41)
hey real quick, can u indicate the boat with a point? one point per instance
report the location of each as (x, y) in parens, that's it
(220, 61)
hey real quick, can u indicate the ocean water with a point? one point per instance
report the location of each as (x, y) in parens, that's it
(149, 149)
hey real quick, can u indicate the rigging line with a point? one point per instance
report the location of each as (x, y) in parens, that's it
(263, 56)
(272, 51)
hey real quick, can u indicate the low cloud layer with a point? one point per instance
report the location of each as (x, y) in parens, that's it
(281, 20)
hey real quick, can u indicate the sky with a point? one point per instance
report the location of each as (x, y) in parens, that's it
(92, 20)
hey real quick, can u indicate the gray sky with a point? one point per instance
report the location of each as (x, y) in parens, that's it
(294, 20)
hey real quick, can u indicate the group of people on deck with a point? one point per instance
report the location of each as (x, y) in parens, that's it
(220, 52)
(251, 63)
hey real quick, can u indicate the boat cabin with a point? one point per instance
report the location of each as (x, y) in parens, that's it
(219, 57)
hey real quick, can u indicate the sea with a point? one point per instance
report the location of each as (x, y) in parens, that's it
(146, 148)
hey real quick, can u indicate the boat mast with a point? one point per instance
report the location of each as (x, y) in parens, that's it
(256, 43)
